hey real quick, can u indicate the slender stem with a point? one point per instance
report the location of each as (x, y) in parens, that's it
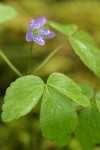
(49, 57)
(10, 64)
(30, 55)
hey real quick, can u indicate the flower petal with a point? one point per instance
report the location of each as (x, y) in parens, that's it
(39, 40)
(29, 36)
(31, 25)
(45, 34)
(39, 22)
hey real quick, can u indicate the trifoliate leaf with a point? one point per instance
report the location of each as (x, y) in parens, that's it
(87, 90)
(87, 51)
(6, 12)
(58, 118)
(67, 87)
(21, 97)
(88, 129)
(97, 98)
(67, 30)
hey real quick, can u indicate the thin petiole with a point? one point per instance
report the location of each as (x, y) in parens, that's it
(10, 64)
(49, 57)
(30, 55)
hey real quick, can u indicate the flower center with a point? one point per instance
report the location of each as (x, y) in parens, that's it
(35, 31)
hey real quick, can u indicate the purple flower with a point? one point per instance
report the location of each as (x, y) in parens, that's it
(37, 33)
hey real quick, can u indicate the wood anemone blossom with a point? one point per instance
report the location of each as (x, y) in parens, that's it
(36, 33)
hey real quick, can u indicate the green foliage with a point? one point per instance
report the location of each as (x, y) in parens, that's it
(6, 12)
(67, 87)
(21, 97)
(88, 129)
(58, 118)
(83, 45)
(97, 98)
(87, 90)
(68, 30)
(87, 51)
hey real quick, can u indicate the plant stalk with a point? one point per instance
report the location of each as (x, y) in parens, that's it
(49, 57)
(30, 55)
(4, 57)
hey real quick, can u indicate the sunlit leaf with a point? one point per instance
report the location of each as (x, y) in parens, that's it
(88, 129)
(58, 118)
(21, 97)
(67, 87)
(68, 30)
(6, 12)
(87, 51)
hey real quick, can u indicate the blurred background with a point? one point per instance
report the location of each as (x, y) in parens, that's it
(24, 133)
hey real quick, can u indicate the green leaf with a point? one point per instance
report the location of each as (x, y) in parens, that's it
(97, 98)
(6, 12)
(87, 90)
(67, 87)
(21, 97)
(88, 129)
(87, 51)
(58, 118)
(68, 30)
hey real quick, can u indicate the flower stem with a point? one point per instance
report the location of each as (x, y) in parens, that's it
(30, 55)
(10, 64)
(49, 57)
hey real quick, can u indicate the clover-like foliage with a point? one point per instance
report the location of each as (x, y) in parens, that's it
(58, 118)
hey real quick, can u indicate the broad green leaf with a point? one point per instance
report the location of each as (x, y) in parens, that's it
(97, 98)
(67, 87)
(88, 129)
(58, 118)
(87, 90)
(87, 51)
(6, 12)
(21, 97)
(68, 30)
